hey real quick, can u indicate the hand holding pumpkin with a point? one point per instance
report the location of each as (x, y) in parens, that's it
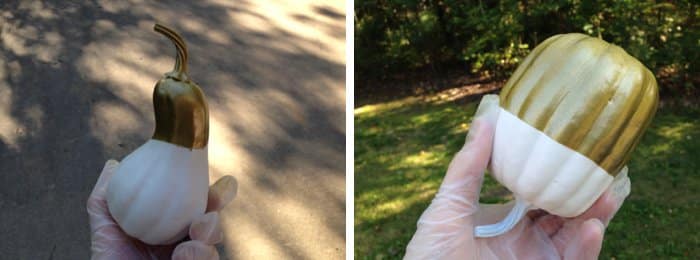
(110, 242)
(446, 228)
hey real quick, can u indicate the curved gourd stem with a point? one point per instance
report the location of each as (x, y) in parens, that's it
(521, 207)
(180, 69)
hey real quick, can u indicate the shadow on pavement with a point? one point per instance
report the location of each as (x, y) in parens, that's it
(75, 90)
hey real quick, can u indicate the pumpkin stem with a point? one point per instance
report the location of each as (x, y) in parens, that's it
(180, 70)
(516, 213)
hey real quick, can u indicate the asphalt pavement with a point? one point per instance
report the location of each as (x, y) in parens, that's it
(76, 79)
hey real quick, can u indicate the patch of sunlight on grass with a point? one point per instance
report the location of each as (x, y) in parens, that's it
(661, 148)
(672, 133)
(677, 131)
(460, 129)
(404, 197)
(399, 205)
(421, 119)
(369, 110)
(422, 158)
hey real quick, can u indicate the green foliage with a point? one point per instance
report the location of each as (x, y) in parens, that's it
(394, 36)
(402, 150)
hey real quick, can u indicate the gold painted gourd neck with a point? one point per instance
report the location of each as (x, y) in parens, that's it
(181, 111)
(180, 68)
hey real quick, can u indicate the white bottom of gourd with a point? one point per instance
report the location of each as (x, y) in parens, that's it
(541, 173)
(158, 191)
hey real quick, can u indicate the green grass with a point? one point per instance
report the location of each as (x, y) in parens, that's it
(402, 149)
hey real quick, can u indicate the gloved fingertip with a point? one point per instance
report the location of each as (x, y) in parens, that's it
(101, 185)
(222, 192)
(488, 106)
(594, 228)
(487, 102)
(587, 242)
(621, 186)
(207, 229)
(485, 115)
(111, 162)
(592, 234)
(194, 250)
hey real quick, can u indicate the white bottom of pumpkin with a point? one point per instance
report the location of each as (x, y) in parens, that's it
(543, 172)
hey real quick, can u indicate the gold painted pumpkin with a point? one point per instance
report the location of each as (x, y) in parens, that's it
(570, 117)
(586, 94)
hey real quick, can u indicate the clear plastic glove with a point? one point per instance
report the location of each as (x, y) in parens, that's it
(446, 228)
(110, 242)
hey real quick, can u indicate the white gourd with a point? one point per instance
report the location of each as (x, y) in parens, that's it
(158, 190)
(162, 187)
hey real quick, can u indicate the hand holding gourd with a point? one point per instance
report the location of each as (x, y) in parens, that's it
(446, 229)
(160, 189)
(110, 242)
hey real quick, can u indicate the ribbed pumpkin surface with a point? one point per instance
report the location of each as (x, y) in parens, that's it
(586, 94)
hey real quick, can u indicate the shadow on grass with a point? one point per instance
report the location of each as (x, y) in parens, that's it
(423, 83)
(657, 218)
(403, 147)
